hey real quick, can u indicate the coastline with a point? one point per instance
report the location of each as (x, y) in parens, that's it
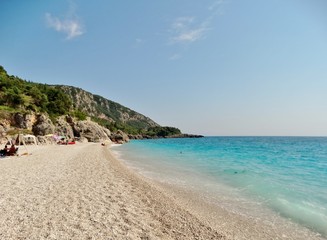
(84, 192)
(231, 220)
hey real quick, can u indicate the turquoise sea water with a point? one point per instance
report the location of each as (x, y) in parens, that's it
(287, 175)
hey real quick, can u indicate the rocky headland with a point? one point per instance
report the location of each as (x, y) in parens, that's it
(57, 110)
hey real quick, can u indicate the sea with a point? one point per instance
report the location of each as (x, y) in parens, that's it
(246, 175)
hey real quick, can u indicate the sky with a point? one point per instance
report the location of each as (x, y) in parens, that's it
(211, 67)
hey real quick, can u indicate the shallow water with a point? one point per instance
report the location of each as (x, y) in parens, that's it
(287, 175)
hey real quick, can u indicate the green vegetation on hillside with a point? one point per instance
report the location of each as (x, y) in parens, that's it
(115, 126)
(23, 95)
(163, 131)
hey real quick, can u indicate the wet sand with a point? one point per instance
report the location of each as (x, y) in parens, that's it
(83, 192)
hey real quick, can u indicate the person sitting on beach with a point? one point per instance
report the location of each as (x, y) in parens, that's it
(4, 151)
(12, 150)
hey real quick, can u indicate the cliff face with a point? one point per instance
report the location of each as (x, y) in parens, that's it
(41, 125)
(100, 107)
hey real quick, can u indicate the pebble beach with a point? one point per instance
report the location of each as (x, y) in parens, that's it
(83, 192)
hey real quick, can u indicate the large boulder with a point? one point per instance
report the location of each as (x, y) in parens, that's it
(63, 128)
(92, 131)
(43, 126)
(43, 140)
(25, 121)
(133, 137)
(119, 137)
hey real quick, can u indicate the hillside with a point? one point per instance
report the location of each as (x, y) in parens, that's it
(18, 96)
(102, 109)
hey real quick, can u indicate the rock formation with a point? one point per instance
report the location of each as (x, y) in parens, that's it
(119, 137)
(25, 121)
(64, 128)
(92, 131)
(43, 126)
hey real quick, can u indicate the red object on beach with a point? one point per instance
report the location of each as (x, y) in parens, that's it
(71, 142)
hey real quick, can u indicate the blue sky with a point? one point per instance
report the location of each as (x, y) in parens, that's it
(213, 67)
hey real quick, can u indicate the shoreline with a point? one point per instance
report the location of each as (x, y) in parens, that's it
(235, 225)
(225, 219)
(84, 192)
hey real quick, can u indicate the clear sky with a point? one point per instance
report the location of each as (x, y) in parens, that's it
(208, 67)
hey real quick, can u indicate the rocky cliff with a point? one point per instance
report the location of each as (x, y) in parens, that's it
(100, 107)
(42, 126)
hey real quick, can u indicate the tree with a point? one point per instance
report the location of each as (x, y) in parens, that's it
(13, 97)
(59, 103)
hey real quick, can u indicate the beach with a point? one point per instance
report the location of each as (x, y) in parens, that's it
(83, 192)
